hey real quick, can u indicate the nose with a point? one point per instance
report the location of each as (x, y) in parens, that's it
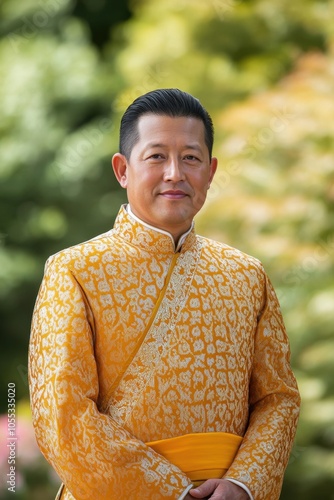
(173, 171)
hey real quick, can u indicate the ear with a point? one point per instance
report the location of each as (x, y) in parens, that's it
(120, 167)
(213, 168)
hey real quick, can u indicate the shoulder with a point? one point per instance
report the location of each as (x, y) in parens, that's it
(229, 257)
(82, 253)
(242, 272)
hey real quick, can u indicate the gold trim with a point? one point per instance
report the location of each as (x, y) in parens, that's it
(159, 337)
(139, 343)
(60, 492)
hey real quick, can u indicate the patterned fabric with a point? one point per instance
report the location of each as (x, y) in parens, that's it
(132, 342)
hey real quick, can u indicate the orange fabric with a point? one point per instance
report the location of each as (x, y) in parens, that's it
(215, 358)
(201, 455)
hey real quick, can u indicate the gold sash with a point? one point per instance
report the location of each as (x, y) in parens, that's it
(201, 456)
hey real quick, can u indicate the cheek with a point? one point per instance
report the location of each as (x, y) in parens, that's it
(140, 183)
(201, 187)
(201, 183)
(146, 181)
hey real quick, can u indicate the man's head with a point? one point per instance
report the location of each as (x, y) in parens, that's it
(165, 161)
(168, 102)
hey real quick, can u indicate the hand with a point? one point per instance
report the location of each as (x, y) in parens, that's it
(218, 489)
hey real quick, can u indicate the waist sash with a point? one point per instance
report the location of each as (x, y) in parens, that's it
(201, 456)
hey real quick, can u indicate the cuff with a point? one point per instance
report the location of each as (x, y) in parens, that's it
(184, 494)
(242, 485)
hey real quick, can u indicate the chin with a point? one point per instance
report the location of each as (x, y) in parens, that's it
(181, 223)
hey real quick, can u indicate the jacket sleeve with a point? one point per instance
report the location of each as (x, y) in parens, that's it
(274, 407)
(92, 454)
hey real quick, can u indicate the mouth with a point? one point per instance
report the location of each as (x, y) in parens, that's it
(174, 194)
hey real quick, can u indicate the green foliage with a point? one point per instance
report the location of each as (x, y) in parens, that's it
(57, 140)
(273, 198)
(264, 69)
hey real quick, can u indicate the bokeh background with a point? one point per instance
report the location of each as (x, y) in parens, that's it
(265, 71)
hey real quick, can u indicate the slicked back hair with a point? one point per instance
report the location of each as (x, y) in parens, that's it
(166, 102)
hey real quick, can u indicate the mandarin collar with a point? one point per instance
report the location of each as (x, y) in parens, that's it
(138, 233)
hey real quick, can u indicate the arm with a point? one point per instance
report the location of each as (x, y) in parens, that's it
(274, 407)
(92, 454)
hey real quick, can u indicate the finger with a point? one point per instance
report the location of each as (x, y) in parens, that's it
(228, 491)
(220, 494)
(205, 489)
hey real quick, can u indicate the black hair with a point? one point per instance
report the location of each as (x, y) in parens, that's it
(169, 102)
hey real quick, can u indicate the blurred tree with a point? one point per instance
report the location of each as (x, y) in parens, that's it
(274, 198)
(57, 140)
(221, 50)
(101, 16)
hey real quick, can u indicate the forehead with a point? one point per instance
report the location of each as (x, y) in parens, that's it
(152, 128)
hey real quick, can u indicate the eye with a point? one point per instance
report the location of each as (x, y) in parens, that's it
(191, 158)
(156, 156)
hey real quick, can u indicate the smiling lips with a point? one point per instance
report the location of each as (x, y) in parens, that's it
(174, 194)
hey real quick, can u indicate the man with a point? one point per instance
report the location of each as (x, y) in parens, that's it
(159, 363)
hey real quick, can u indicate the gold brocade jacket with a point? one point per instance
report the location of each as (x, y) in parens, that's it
(134, 342)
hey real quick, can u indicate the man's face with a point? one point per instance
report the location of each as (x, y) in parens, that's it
(168, 173)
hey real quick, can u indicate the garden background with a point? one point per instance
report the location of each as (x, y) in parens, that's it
(265, 71)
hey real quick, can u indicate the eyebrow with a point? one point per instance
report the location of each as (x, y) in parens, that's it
(196, 147)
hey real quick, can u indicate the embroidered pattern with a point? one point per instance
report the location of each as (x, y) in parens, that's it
(215, 347)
